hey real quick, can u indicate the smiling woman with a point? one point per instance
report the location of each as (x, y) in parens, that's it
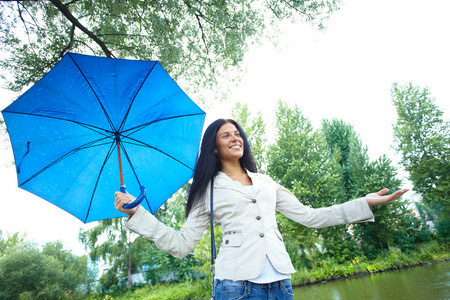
(229, 149)
(252, 261)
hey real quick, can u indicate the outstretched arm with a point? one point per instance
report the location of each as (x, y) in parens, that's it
(380, 198)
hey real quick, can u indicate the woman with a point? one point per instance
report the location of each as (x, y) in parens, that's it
(252, 261)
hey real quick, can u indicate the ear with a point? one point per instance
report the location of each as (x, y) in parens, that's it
(215, 150)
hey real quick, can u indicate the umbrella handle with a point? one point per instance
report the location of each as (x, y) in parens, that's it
(135, 202)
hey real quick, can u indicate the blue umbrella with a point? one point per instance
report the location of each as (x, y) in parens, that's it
(69, 130)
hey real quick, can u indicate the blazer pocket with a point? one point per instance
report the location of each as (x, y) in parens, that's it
(232, 239)
(278, 233)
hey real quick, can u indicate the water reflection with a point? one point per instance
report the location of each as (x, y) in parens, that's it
(426, 282)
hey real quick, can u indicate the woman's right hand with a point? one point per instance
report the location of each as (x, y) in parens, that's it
(121, 199)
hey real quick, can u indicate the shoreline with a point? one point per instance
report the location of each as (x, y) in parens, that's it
(365, 273)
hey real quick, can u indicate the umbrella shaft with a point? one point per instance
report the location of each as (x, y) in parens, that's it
(120, 161)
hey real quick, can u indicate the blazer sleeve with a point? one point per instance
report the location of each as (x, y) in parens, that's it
(177, 243)
(354, 211)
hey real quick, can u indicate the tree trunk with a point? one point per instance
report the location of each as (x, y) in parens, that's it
(130, 282)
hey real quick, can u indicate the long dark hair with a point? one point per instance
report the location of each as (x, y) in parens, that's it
(208, 163)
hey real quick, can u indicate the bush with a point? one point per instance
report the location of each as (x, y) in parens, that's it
(443, 231)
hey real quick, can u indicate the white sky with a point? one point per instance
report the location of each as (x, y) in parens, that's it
(345, 72)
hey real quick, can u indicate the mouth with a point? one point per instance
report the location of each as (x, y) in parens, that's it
(237, 146)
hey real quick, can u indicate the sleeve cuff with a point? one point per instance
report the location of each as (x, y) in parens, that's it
(142, 223)
(357, 211)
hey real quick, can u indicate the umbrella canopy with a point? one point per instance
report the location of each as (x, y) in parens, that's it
(64, 129)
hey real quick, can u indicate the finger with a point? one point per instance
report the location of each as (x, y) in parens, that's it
(382, 192)
(399, 193)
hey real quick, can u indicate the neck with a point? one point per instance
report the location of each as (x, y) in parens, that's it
(232, 168)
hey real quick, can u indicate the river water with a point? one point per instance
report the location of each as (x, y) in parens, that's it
(429, 282)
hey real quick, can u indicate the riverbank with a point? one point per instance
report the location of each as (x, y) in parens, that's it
(324, 270)
(423, 281)
(394, 259)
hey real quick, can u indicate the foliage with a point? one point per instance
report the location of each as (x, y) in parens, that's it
(54, 273)
(423, 139)
(8, 242)
(195, 39)
(191, 289)
(202, 253)
(344, 143)
(389, 219)
(255, 130)
(443, 231)
(394, 225)
(301, 161)
(110, 242)
(353, 165)
(159, 265)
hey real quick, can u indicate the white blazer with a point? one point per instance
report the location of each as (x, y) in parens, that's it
(248, 225)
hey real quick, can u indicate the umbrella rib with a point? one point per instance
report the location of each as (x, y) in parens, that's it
(142, 126)
(93, 91)
(142, 144)
(110, 151)
(90, 127)
(85, 146)
(134, 98)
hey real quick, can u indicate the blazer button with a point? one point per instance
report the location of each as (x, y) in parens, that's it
(254, 200)
(261, 235)
(227, 241)
(258, 218)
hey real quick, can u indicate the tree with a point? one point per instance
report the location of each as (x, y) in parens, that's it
(27, 273)
(116, 249)
(394, 225)
(301, 161)
(193, 38)
(8, 242)
(423, 139)
(255, 130)
(375, 237)
(343, 141)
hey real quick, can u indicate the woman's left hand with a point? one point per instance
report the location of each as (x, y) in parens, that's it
(378, 198)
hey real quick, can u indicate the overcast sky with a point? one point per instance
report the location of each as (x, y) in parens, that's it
(345, 72)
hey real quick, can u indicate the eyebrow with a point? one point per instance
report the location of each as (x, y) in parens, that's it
(228, 132)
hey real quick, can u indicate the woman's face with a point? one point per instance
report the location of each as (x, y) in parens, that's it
(229, 143)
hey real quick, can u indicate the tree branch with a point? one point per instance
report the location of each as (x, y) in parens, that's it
(67, 48)
(203, 33)
(25, 25)
(198, 14)
(63, 9)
